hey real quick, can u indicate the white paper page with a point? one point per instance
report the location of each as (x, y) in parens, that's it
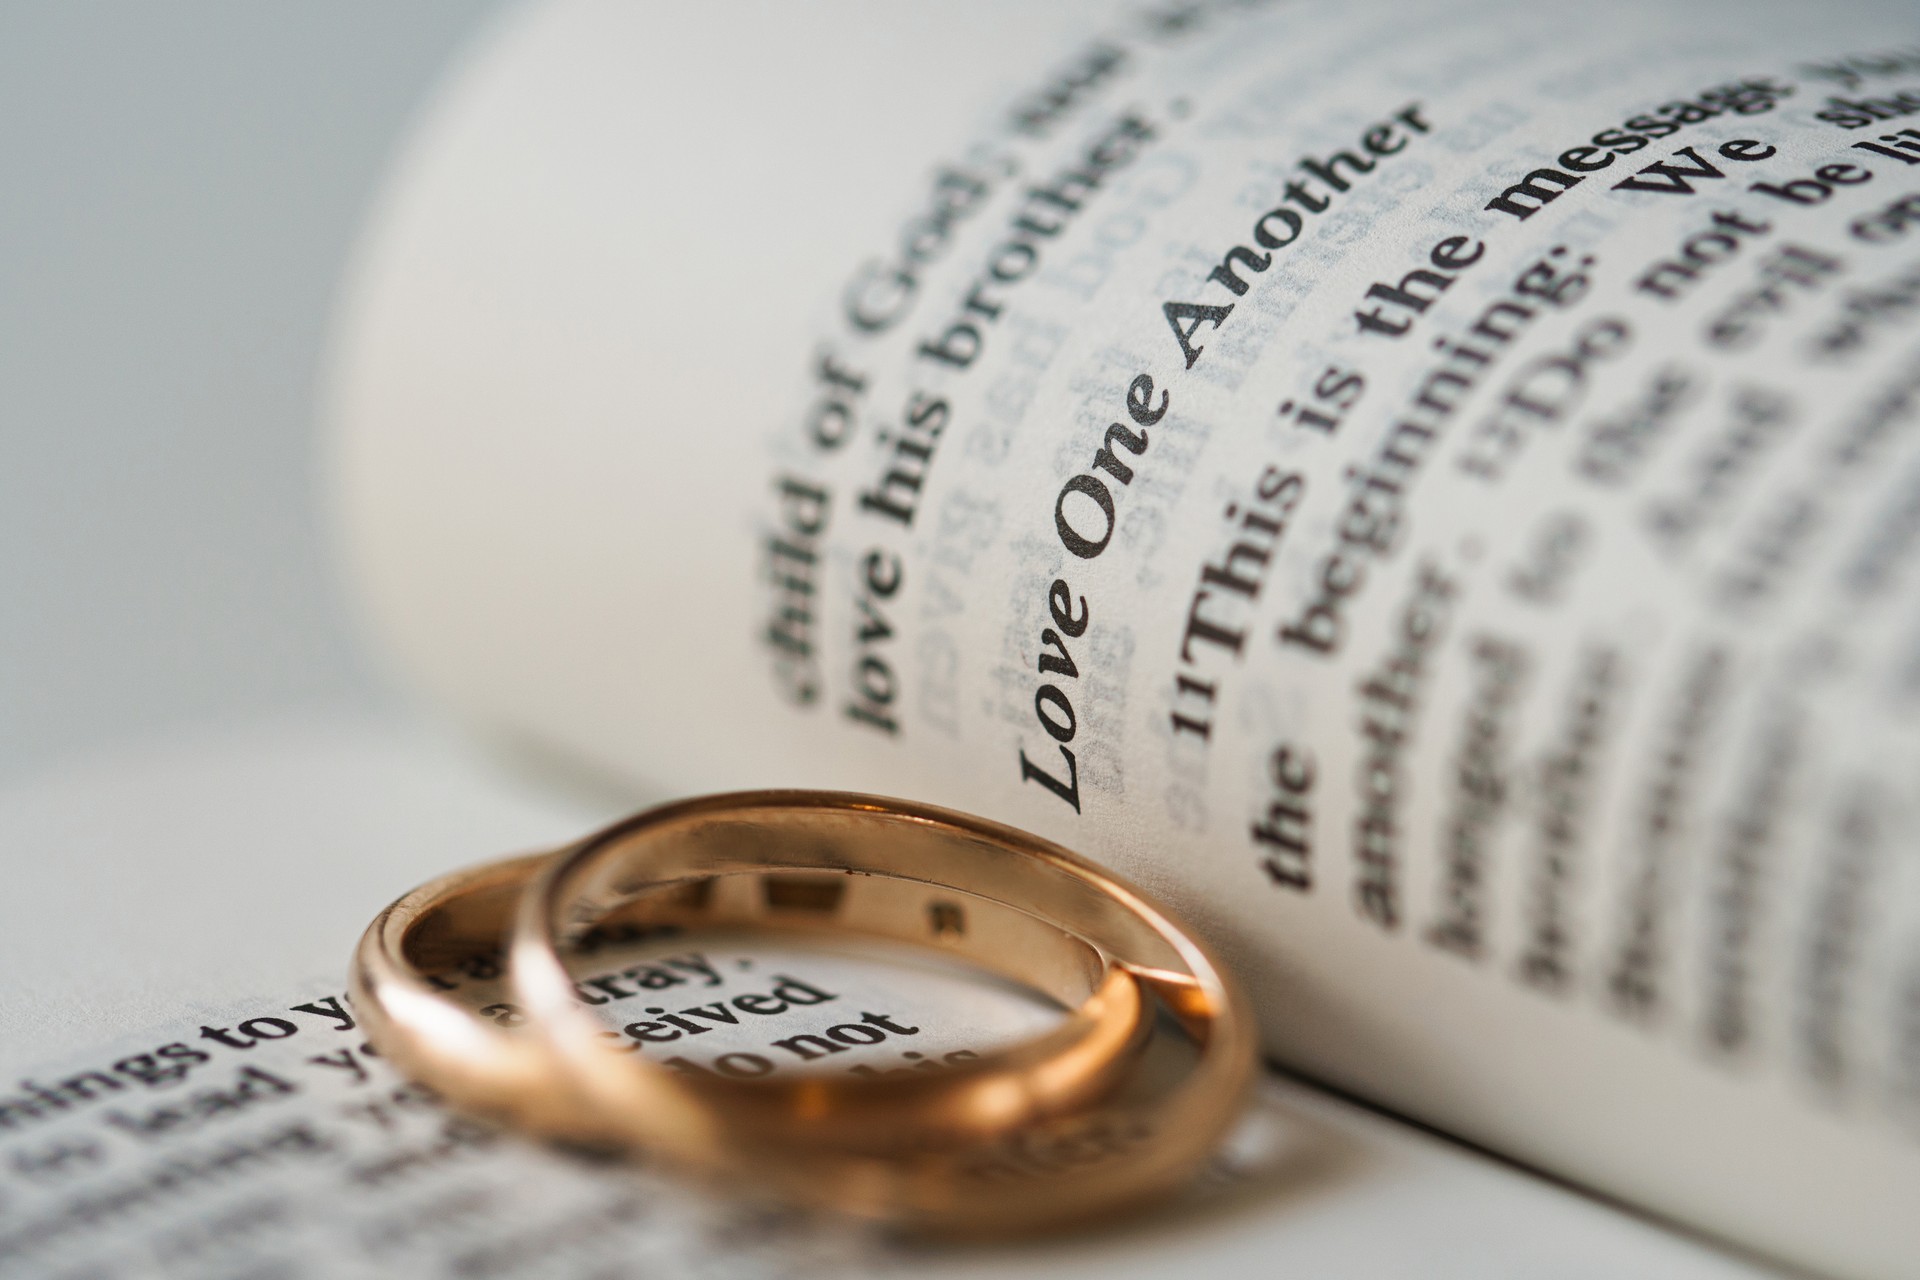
(283, 1159)
(150, 879)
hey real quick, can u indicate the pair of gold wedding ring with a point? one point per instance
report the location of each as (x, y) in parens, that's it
(1119, 1102)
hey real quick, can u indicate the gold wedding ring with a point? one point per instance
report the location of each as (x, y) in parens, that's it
(1119, 1102)
(414, 954)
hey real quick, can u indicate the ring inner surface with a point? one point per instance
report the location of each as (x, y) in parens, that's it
(747, 975)
(828, 867)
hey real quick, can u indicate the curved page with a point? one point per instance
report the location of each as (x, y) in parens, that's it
(1432, 488)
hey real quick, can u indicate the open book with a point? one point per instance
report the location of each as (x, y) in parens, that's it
(1429, 488)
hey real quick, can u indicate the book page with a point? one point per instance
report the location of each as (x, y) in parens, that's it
(1428, 488)
(123, 1153)
(263, 1138)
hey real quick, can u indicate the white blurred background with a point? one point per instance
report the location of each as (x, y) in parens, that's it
(179, 187)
